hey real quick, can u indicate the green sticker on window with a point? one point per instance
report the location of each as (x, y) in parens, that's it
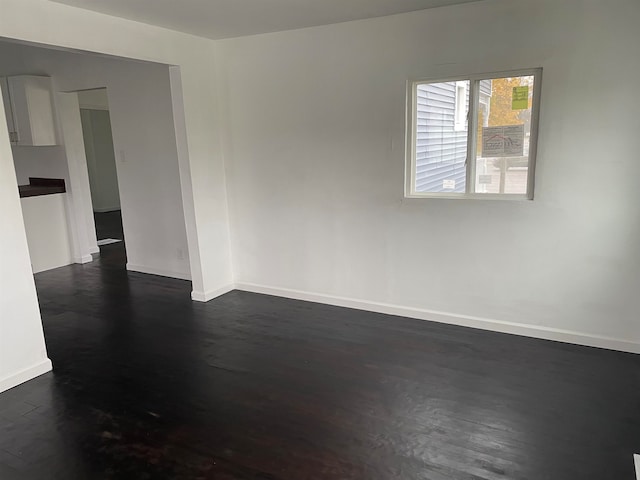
(520, 99)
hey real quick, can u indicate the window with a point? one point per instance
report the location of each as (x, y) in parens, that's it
(473, 137)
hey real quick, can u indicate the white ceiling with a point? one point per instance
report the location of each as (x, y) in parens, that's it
(233, 18)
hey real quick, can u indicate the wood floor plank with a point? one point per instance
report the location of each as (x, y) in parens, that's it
(147, 384)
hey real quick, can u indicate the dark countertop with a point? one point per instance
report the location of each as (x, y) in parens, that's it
(42, 186)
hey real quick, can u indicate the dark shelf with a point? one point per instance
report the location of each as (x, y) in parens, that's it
(42, 186)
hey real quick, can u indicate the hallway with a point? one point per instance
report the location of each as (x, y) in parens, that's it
(109, 225)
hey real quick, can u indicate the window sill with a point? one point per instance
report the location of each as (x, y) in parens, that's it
(470, 196)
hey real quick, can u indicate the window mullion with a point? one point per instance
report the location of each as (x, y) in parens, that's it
(472, 134)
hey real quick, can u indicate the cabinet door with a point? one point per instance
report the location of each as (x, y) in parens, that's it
(8, 109)
(32, 110)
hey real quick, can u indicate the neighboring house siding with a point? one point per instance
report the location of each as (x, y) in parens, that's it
(440, 150)
(485, 88)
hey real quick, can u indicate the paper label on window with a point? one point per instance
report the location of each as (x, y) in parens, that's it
(520, 98)
(507, 141)
(485, 179)
(449, 184)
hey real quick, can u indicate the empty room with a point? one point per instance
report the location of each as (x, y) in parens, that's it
(338, 239)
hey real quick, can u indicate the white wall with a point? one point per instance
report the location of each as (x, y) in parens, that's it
(315, 154)
(49, 162)
(101, 160)
(94, 99)
(98, 140)
(81, 225)
(45, 222)
(60, 161)
(144, 139)
(22, 350)
(201, 166)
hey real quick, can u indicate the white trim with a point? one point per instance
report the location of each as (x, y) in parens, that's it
(84, 259)
(472, 140)
(106, 209)
(88, 106)
(211, 294)
(460, 112)
(132, 267)
(108, 241)
(510, 197)
(478, 76)
(533, 133)
(535, 331)
(636, 461)
(410, 134)
(95, 249)
(25, 375)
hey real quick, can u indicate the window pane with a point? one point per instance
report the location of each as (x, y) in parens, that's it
(441, 137)
(504, 131)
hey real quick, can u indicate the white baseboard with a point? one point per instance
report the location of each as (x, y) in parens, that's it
(211, 294)
(535, 331)
(106, 209)
(95, 249)
(132, 267)
(83, 259)
(25, 375)
(88, 106)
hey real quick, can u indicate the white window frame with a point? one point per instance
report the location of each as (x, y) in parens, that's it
(411, 134)
(460, 112)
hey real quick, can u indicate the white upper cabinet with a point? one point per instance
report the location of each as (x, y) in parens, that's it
(29, 109)
(8, 111)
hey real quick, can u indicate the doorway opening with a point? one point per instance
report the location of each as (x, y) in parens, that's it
(103, 174)
(116, 141)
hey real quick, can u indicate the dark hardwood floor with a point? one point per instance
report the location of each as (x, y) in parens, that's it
(149, 385)
(108, 225)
